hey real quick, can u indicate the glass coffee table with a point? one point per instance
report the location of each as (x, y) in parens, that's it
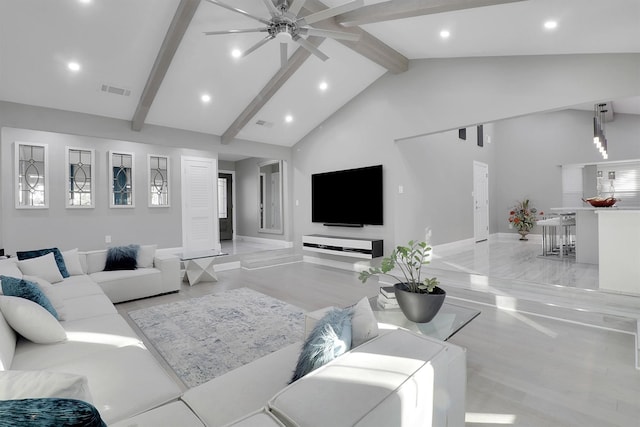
(199, 266)
(449, 320)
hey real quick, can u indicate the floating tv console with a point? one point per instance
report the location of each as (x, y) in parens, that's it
(345, 246)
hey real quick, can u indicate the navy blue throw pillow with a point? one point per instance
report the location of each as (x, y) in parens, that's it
(14, 287)
(41, 252)
(49, 412)
(330, 338)
(122, 258)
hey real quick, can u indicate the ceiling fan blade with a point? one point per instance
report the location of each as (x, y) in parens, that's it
(284, 57)
(273, 10)
(340, 35)
(256, 46)
(331, 12)
(296, 6)
(311, 48)
(248, 30)
(240, 11)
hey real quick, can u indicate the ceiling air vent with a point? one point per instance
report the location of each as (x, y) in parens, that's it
(115, 90)
(264, 123)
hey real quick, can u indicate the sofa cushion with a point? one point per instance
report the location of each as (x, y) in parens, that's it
(261, 418)
(273, 371)
(378, 385)
(22, 288)
(44, 266)
(7, 343)
(124, 381)
(146, 253)
(174, 414)
(330, 338)
(72, 261)
(34, 384)
(49, 412)
(125, 285)
(51, 292)
(85, 337)
(22, 255)
(95, 260)
(122, 258)
(31, 320)
(364, 325)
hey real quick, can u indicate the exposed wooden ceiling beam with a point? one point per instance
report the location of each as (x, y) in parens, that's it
(277, 81)
(368, 46)
(181, 20)
(399, 9)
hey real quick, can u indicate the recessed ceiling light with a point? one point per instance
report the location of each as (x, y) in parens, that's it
(445, 34)
(288, 118)
(323, 86)
(550, 25)
(73, 66)
(85, 1)
(236, 53)
(205, 98)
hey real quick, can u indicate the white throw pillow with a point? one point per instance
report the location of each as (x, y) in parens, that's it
(146, 253)
(72, 262)
(31, 320)
(8, 267)
(364, 325)
(50, 292)
(39, 384)
(43, 266)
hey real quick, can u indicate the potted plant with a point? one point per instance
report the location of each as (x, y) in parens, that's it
(419, 298)
(523, 218)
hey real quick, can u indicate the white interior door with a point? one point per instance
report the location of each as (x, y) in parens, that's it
(200, 229)
(480, 201)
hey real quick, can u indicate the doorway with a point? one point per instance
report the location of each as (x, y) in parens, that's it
(225, 204)
(480, 201)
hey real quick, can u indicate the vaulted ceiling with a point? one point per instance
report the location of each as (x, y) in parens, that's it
(149, 62)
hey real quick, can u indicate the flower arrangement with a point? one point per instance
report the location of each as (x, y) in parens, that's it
(523, 217)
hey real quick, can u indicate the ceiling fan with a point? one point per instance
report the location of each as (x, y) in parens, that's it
(284, 25)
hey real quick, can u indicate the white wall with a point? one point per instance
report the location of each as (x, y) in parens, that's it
(439, 95)
(57, 226)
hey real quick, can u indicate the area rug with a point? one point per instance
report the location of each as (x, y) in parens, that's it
(202, 338)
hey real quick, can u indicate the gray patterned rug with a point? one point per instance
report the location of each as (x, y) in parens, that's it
(202, 338)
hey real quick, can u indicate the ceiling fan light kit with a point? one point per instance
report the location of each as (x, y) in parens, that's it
(285, 26)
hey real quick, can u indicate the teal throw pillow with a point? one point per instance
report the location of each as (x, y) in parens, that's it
(49, 412)
(22, 255)
(122, 258)
(330, 338)
(14, 287)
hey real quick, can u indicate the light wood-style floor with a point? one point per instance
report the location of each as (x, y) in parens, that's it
(530, 361)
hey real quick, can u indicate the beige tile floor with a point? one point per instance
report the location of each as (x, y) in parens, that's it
(534, 355)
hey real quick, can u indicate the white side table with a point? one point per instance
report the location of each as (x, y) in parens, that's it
(199, 266)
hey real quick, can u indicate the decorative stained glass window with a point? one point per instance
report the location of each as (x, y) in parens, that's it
(158, 181)
(121, 182)
(32, 176)
(80, 178)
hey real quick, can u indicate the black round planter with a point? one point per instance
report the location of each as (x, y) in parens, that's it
(419, 308)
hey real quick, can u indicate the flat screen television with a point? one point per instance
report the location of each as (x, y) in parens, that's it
(350, 197)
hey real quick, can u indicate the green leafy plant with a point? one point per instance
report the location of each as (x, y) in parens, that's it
(409, 259)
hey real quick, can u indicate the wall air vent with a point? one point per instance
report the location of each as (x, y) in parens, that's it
(115, 90)
(264, 123)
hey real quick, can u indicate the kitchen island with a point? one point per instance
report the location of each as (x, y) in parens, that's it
(619, 250)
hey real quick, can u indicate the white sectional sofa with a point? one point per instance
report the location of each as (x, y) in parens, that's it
(396, 379)
(160, 276)
(100, 350)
